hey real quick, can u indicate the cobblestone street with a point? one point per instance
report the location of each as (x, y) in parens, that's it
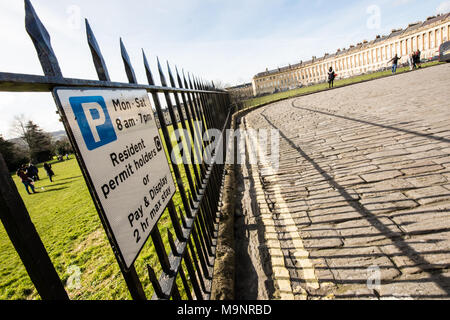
(360, 205)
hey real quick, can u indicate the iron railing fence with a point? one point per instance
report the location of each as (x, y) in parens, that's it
(195, 222)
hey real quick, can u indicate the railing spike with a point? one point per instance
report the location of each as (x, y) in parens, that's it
(183, 220)
(172, 81)
(155, 283)
(180, 83)
(148, 70)
(127, 63)
(190, 81)
(99, 62)
(185, 81)
(161, 74)
(42, 43)
(173, 247)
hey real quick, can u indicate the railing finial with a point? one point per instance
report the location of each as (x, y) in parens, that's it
(42, 43)
(172, 81)
(161, 74)
(99, 62)
(180, 83)
(148, 71)
(127, 63)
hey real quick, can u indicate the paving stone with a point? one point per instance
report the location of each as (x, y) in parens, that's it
(381, 175)
(442, 161)
(389, 202)
(333, 214)
(352, 265)
(413, 287)
(422, 148)
(387, 154)
(365, 231)
(427, 180)
(421, 167)
(383, 187)
(321, 236)
(429, 194)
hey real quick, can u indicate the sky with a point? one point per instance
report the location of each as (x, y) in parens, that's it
(224, 41)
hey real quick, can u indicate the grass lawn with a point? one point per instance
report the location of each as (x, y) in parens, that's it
(324, 86)
(69, 226)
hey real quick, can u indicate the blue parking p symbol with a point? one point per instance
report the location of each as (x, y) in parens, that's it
(94, 121)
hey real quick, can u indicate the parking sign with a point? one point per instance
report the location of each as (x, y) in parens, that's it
(118, 142)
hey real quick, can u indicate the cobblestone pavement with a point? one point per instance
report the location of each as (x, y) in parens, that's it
(360, 205)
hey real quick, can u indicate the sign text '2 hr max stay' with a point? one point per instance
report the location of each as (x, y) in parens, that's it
(120, 145)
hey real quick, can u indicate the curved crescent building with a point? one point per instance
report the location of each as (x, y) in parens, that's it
(361, 58)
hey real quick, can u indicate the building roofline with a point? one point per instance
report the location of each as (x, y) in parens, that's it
(394, 33)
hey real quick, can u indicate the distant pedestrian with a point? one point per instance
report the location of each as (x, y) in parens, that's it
(33, 172)
(411, 61)
(48, 169)
(417, 59)
(26, 180)
(331, 77)
(394, 61)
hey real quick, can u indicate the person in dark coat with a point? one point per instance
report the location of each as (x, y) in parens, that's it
(48, 169)
(417, 59)
(26, 180)
(331, 77)
(394, 61)
(33, 172)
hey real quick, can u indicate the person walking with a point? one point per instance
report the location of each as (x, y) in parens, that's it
(48, 169)
(394, 61)
(331, 77)
(33, 172)
(411, 61)
(26, 180)
(417, 59)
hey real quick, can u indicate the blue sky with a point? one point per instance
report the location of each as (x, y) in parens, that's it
(228, 40)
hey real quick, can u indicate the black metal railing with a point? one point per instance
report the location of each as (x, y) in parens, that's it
(194, 106)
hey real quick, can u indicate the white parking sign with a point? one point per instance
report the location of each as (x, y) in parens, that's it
(120, 146)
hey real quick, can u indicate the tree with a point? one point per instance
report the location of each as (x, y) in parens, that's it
(39, 142)
(19, 129)
(14, 156)
(62, 147)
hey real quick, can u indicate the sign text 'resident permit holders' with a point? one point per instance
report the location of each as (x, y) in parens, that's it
(118, 143)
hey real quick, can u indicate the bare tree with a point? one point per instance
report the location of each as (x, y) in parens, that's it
(39, 143)
(19, 128)
(221, 85)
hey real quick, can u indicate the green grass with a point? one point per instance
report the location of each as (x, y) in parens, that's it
(324, 86)
(67, 221)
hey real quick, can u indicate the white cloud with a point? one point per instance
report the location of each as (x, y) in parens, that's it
(444, 7)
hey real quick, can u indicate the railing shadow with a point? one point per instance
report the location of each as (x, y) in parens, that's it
(375, 221)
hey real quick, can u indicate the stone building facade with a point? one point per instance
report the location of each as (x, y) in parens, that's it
(241, 92)
(361, 58)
